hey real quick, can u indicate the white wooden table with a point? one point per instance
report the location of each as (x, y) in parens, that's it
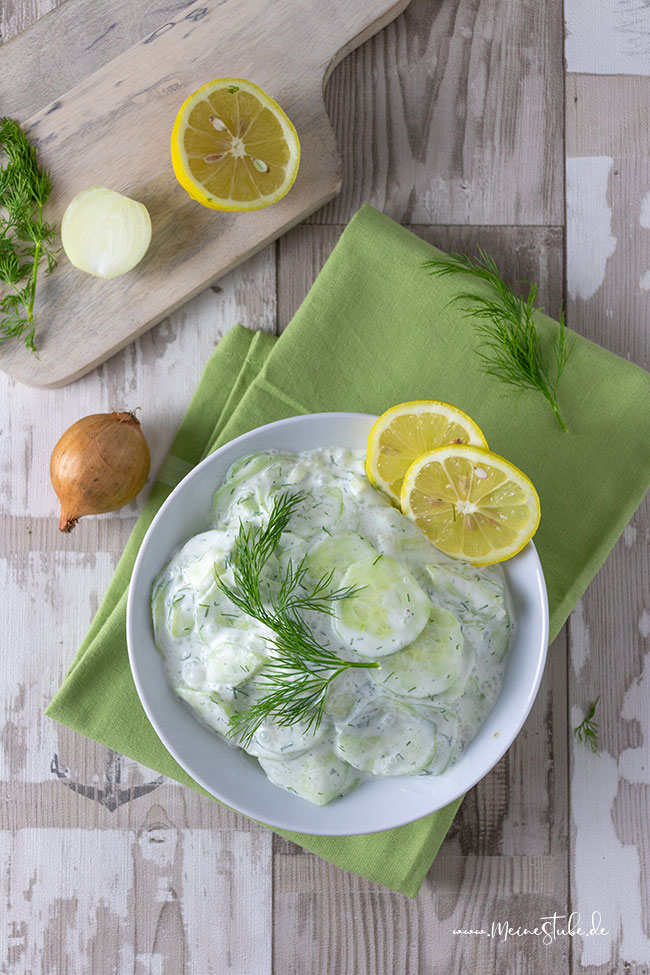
(458, 120)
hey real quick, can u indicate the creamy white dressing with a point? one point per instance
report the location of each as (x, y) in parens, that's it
(439, 629)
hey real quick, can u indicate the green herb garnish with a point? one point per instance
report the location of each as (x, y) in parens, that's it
(298, 675)
(510, 347)
(25, 238)
(587, 730)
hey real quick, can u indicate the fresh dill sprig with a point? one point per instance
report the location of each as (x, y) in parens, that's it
(510, 348)
(25, 238)
(587, 730)
(297, 680)
(301, 670)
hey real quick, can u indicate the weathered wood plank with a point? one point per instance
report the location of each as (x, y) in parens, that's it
(453, 115)
(609, 37)
(608, 267)
(356, 926)
(624, 101)
(16, 18)
(82, 795)
(109, 32)
(143, 901)
(608, 279)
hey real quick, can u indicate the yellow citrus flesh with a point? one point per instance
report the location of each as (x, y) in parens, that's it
(405, 432)
(472, 504)
(233, 148)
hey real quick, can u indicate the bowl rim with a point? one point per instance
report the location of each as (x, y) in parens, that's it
(541, 649)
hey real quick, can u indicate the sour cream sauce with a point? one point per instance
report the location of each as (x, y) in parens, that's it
(439, 629)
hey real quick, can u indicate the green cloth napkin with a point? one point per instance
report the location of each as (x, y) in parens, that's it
(376, 330)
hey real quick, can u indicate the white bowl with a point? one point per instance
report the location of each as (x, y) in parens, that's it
(235, 778)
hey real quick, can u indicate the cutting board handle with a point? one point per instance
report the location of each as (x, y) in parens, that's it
(361, 19)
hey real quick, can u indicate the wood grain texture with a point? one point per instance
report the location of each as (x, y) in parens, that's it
(113, 129)
(608, 280)
(108, 869)
(624, 101)
(109, 29)
(453, 115)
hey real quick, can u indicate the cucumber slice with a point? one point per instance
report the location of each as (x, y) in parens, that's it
(233, 663)
(181, 613)
(416, 546)
(347, 691)
(161, 582)
(429, 665)
(196, 557)
(240, 471)
(476, 592)
(387, 526)
(389, 612)
(320, 506)
(318, 775)
(251, 506)
(210, 708)
(275, 741)
(251, 464)
(446, 724)
(215, 613)
(335, 554)
(290, 547)
(200, 574)
(387, 738)
(478, 601)
(159, 612)
(333, 498)
(358, 485)
(457, 689)
(212, 619)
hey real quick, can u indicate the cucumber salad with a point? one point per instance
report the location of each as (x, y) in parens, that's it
(421, 638)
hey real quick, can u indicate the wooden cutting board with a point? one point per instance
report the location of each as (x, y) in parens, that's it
(98, 85)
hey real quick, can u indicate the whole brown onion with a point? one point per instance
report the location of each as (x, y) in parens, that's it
(99, 464)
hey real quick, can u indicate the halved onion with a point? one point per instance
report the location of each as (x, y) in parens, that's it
(104, 232)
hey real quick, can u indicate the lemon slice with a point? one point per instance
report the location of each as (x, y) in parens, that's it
(472, 504)
(233, 148)
(405, 432)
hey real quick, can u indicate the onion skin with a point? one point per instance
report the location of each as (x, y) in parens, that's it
(99, 464)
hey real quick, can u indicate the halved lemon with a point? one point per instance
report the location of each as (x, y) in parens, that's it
(233, 148)
(405, 432)
(472, 504)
